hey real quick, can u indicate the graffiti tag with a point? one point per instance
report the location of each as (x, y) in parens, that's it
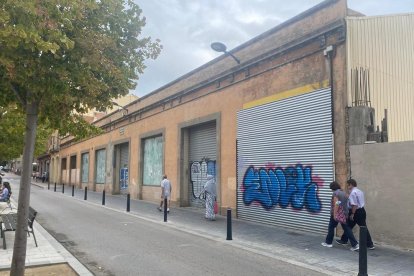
(198, 176)
(292, 185)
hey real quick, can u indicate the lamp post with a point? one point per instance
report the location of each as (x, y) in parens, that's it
(125, 112)
(220, 47)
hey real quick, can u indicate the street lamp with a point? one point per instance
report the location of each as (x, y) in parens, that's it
(125, 110)
(220, 47)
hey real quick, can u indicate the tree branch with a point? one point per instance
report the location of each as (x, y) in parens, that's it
(16, 92)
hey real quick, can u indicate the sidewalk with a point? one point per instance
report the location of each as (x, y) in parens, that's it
(48, 258)
(298, 248)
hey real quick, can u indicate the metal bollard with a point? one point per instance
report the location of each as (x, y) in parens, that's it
(103, 197)
(229, 232)
(363, 267)
(55, 187)
(73, 190)
(128, 202)
(48, 186)
(165, 209)
(86, 193)
(63, 188)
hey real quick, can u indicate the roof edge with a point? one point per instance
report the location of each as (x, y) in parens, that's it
(282, 25)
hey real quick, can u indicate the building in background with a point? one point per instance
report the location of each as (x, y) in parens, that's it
(274, 130)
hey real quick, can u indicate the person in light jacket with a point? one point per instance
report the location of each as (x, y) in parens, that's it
(165, 193)
(210, 191)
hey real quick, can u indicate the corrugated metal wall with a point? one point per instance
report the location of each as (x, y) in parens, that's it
(384, 45)
(203, 143)
(285, 162)
(124, 155)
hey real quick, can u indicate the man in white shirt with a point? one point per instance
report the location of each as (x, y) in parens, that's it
(357, 214)
(165, 193)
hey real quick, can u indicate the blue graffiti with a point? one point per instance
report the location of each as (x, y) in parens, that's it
(292, 185)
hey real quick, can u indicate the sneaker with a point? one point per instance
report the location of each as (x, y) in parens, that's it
(371, 247)
(355, 248)
(159, 209)
(326, 244)
(341, 242)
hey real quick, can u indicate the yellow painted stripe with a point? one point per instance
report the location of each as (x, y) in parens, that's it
(287, 94)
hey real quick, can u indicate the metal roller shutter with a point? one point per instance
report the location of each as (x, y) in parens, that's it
(124, 152)
(202, 156)
(285, 162)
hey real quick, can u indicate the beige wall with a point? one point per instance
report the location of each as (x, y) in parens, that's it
(225, 102)
(385, 173)
(302, 63)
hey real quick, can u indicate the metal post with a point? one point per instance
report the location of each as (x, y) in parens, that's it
(63, 188)
(165, 209)
(48, 186)
(363, 268)
(229, 234)
(128, 202)
(73, 190)
(86, 193)
(55, 187)
(103, 197)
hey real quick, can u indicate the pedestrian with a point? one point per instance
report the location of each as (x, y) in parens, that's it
(6, 192)
(165, 193)
(210, 191)
(339, 213)
(357, 214)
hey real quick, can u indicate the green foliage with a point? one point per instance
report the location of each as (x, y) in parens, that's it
(70, 55)
(58, 59)
(12, 131)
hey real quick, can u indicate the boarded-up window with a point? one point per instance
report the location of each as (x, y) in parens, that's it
(85, 168)
(153, 161)
(100, 166)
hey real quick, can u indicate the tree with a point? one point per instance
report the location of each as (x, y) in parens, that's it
(60, 58)
(12, 130)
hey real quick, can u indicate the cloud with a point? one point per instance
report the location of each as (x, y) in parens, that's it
(186, 29)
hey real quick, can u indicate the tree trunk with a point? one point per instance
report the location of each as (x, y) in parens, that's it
(20, 240)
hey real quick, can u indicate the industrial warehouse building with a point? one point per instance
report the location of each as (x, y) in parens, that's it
(274, 130)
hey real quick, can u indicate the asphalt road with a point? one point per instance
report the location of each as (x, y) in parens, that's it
(116, 243)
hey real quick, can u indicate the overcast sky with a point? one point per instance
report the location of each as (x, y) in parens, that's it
(186, 29)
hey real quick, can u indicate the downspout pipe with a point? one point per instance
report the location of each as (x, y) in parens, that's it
(329, 52)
